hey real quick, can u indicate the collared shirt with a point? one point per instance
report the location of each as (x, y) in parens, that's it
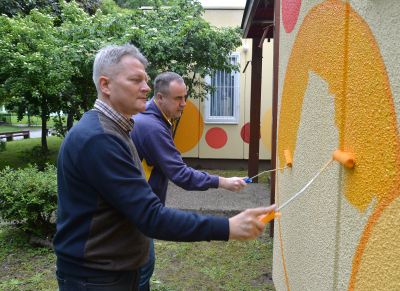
(162, 112)
(123, 122)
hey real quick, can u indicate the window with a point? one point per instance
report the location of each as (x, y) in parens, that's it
(222, 106)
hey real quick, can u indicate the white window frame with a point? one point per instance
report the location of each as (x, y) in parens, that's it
(236, 98)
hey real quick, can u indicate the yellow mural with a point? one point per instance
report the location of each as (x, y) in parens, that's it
(190, 128)
(335, 43)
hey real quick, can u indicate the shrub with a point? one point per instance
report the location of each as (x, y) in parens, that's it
(36, 155)
(28, 198)
(2, 145)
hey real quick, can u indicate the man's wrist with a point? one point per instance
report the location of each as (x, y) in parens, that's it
(221, 182)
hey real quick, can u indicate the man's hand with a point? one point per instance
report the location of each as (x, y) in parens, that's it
(234, 184)
(246, 225)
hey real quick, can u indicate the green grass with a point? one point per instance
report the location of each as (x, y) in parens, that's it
(5, 128)
(180, 266)
(233, 265)
(24, 267)
(35, 121)
(17, 153)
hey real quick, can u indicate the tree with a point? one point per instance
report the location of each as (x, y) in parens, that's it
(14, 7)
(47, 67)
(47, 59)
(34, 71)
(178, 39)
(134, 4)
(82, 37)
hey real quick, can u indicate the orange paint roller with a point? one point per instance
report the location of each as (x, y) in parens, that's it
(268, 217)
(345, 158)
(288, 158)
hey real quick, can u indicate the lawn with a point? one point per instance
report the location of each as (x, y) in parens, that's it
(6, 128)
(34, 121)
(180, 266)
(19, 153)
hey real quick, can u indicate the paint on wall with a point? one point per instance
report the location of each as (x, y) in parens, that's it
(216, 137)
(190, 128)
(336, 44)
(290, 14)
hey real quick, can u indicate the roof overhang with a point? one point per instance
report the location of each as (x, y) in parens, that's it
(258, 15)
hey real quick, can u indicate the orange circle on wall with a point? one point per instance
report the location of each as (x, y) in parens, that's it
(190, 128)
(216, 137)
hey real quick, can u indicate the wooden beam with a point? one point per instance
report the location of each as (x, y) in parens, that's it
(275, 106)
(255, 105)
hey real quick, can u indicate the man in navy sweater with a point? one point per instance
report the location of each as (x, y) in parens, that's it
(160, 158)
(106, 209)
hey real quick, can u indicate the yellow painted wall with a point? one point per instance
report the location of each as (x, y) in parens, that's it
(191, 138)
(339, 89)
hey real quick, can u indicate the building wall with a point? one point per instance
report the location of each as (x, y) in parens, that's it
(198, 139)
(339, 89)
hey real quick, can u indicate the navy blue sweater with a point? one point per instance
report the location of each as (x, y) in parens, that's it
(160, 158)
(106, 208)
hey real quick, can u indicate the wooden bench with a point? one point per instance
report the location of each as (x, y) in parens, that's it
(9, 136)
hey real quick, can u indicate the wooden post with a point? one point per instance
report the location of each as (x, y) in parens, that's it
(255, 105)
(274, 105)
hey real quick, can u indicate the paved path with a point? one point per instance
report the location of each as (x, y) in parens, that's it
(218, 201)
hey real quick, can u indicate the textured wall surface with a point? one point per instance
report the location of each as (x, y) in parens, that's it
(339, 89)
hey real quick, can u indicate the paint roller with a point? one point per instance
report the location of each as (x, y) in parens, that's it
(345, 158)
(289, 163)
(288, 158)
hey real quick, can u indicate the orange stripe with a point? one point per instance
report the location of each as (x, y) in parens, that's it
(281, 241)
(366, 236)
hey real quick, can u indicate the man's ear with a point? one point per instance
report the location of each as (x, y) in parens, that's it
(159, 96)
(104, 83)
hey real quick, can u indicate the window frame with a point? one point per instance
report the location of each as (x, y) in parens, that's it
(234, 119)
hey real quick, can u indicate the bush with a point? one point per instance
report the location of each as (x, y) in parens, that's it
(2, 145)
(36, 155)
(28, 198)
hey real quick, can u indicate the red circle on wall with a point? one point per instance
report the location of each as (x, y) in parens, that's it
(245, 132)
(290, 14)
(216, 137)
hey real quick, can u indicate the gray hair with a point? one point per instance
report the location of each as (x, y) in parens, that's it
(162, 81)
(108, 57)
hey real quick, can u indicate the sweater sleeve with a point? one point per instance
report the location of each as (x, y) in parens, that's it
(108, 166)
(159, 148)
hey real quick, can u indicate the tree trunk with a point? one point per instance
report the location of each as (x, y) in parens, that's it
(44, 130)
(70, 120)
